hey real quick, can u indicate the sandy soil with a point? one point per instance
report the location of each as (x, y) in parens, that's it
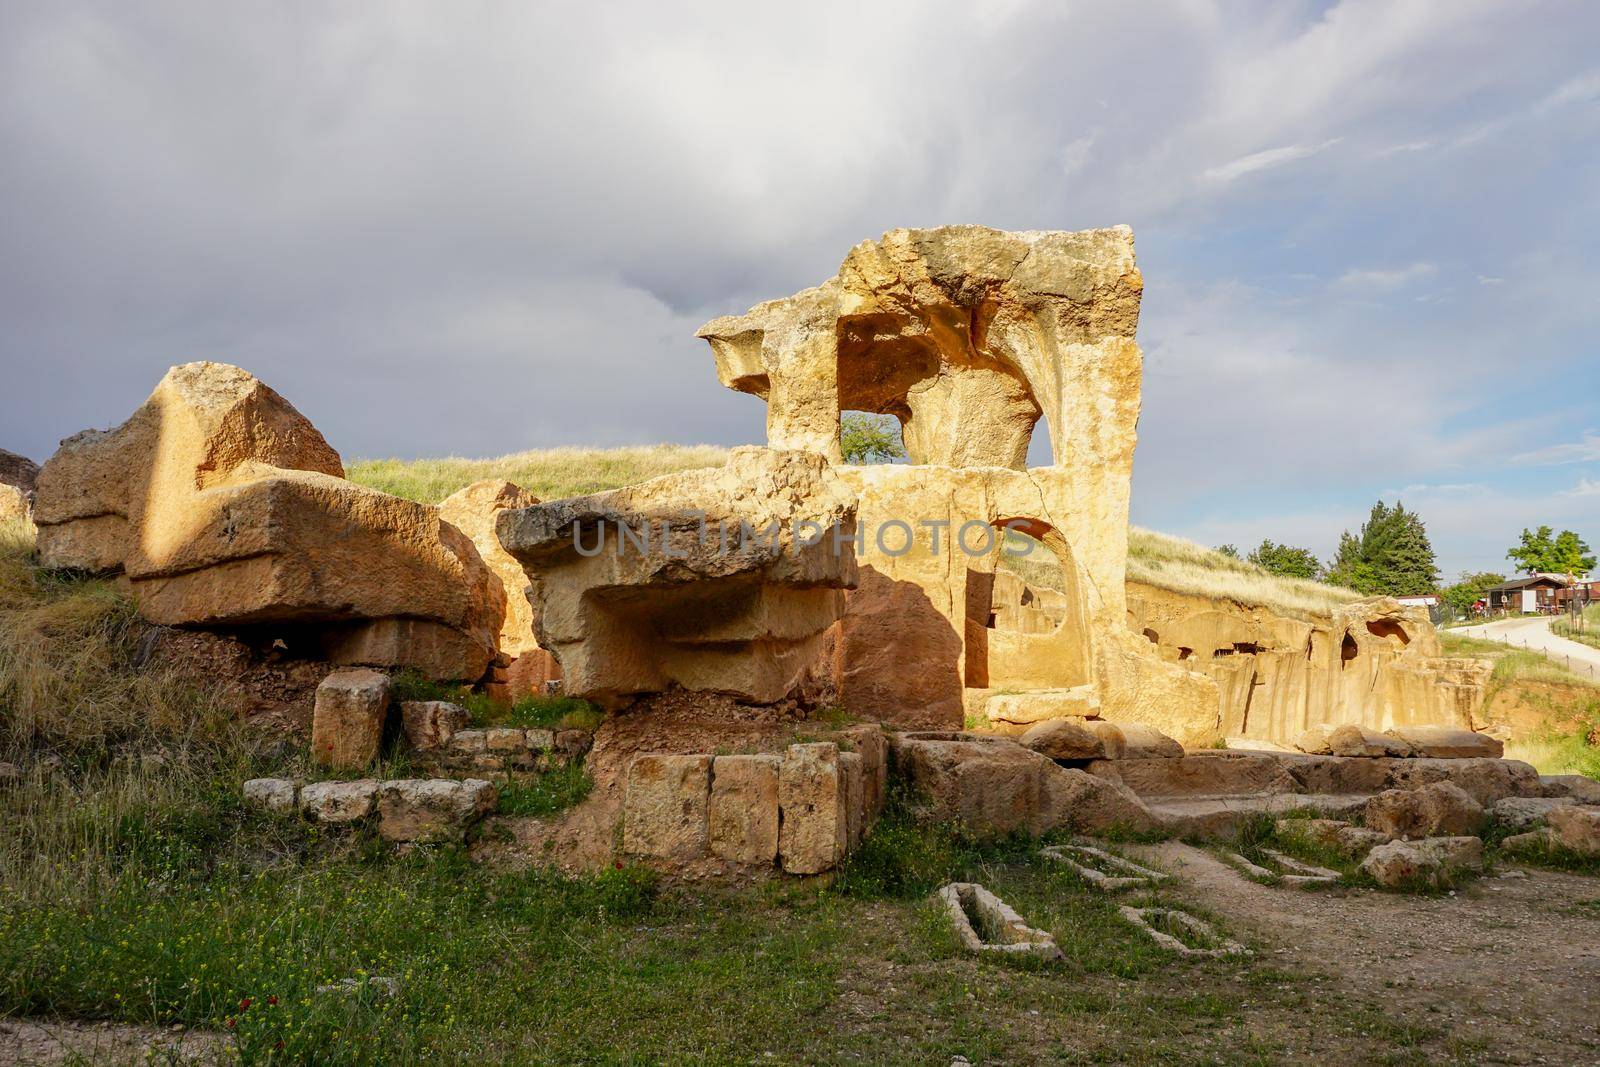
(1511, 962)
(42, 1042)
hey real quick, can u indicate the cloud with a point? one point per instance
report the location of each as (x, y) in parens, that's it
(1585, 487)
(1584, 450)
(1387, 278)
(499, 230)
(1264, 160)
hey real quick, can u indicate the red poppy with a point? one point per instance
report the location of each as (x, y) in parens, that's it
(244, 1005)
(272, 999)
(231, 1022)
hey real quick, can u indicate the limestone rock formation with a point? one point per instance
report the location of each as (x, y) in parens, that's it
(17, 477)
(222, 506)
(347, 722)
(993, 787)
(1436, 809)
(1423, 864)
(724, 580)
(1372, 665)
(473, 511)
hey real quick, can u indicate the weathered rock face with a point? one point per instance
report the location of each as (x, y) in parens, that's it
(1373, 665)
(1439, 808)
(473, 511)
(1423, 864)
(723, 580)
(432, 809)
(17, 477)
(992, 786)
(224, 507)
(347, 723)
(969, 336)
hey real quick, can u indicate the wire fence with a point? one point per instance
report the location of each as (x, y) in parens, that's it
(1581, 665)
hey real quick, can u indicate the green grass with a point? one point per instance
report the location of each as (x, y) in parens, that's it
(551, 712)
(1588, 630)
(549, 474)
(554, 790)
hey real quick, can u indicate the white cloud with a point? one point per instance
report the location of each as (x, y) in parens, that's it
(1387, 277)
(1264, 160)
(1586, 487)
(1584, 450)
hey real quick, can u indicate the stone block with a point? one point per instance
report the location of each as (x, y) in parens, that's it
(869, 741)
(432, 809)
(851, 768)
(275, 795)
(347, 721)
(469, 741)
(430, 724)
(339, 802)
(666, 807)
(744, 808)
(1576, 828)
(1443, 742)
(1064, 739)
(505, 739)
(812, 834)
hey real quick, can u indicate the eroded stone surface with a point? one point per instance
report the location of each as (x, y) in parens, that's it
(743, 813)
(223, 506)
(275, 795)
(666, 808)
(812, 796)
(1064, 739)
(432, 724)
(1438, 808)
(671, 603)
(347, 722)
(1577, 829)
(432, 809)
(1426, 863)
(339, 802)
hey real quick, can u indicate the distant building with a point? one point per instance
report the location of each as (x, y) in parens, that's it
(1540, 593)
(1429, 601)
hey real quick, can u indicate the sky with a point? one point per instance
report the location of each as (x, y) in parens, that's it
(1368, 229)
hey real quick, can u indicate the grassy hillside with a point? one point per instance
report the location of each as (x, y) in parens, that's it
(1187, 567)
(549, 474)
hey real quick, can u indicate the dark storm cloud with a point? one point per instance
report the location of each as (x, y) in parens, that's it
(476, 228)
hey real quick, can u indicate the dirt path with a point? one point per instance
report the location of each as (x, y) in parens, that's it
(1534, 634)
(1511, 964)
(44, 1042)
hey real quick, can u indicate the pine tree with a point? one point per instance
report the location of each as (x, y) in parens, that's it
(1391, 556)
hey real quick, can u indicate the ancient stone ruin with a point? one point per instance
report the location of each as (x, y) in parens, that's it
(777, 641)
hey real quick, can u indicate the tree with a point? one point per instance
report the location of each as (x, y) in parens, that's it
(1468, 590)
(1541, 553)
(1390, 556)
(1229, 550)
(865, 438)
(1285, 560)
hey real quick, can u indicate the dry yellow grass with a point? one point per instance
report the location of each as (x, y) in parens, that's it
(549, 474)
(1187, 567)
(67, 673)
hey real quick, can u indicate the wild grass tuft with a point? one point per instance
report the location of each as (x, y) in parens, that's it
(70, 676)
(545, 794)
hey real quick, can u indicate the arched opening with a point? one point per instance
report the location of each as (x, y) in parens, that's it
(1348, 649)
(1024, 613)
(1390, 631)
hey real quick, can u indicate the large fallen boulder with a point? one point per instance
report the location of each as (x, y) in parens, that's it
(1428, 864)
(224, 507)
(993, 786)
(725, 580)
(17, 477)
(1436, 809)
